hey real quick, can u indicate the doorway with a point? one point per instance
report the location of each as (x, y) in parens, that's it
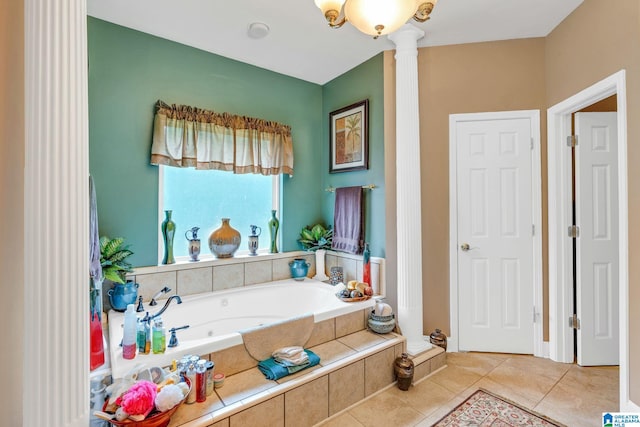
(495, 238)
(561, 336)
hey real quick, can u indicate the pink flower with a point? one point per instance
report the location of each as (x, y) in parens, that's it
(138, 400)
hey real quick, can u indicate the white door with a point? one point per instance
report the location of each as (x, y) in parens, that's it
(495, 243)
(597, 244)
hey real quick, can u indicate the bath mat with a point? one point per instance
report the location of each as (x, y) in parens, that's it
(485, 409)
(261, 341)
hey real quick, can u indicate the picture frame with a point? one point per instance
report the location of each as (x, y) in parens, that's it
(349, 138)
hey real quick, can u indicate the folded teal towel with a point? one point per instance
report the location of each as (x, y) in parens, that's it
(274, 370)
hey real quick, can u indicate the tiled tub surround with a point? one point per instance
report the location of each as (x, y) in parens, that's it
(189, 278)
(216, 319)
(355, 364)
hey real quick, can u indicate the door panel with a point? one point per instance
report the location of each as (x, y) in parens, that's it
(597, 245)
(495, 275)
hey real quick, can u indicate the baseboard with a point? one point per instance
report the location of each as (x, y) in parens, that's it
(629, 406)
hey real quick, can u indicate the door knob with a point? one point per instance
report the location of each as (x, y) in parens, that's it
(465, 247)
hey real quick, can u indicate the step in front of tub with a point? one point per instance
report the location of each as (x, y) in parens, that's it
(352, 368)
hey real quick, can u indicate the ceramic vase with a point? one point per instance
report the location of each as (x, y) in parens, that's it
(224, 241)
(403, 368)
(366, 265)
(168, 228)
(274, 225)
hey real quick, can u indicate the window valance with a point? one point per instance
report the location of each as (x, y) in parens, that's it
(186, 136)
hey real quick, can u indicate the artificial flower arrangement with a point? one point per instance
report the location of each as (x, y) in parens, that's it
(146, 395)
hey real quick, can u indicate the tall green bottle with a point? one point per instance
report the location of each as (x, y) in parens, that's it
(274, 224)
(168, 228)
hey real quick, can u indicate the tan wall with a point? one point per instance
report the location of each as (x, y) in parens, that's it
(480, 77)
(595, 41)
(11, 201)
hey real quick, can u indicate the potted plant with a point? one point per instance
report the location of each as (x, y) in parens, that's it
(316, 237)
(113, 258)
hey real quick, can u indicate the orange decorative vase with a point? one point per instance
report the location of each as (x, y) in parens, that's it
(224, 241)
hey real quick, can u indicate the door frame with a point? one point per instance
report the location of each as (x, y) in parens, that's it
(561, 340)
(536, 194)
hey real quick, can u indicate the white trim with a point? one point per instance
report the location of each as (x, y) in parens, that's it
(560, 255)
(536, 194)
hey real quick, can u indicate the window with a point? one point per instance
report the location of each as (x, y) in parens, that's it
(201, 198)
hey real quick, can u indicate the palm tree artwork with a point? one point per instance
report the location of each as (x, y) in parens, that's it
(353, 151)
(348, 148)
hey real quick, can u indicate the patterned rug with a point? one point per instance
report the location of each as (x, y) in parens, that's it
(484, 409)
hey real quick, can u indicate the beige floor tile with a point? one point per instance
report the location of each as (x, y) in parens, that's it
(455, 379)
(538, 365)
(426, 397)
(342, 420)
(243, 385)
(582, 396)
(527, 380)
(480, 363)
(386, 409)
(443, 410)
(362, 340)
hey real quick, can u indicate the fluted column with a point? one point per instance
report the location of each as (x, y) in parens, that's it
(56, 343)
(409, 217)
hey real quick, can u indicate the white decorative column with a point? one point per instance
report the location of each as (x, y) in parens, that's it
(409, 216)
(56, 222)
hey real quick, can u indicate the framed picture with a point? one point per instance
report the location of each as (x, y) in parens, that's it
(349, 138)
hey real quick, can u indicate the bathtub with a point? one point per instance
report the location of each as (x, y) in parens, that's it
(214, 318)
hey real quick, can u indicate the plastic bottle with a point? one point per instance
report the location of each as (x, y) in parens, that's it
(143, 337)
(129, 336)
(159, 342)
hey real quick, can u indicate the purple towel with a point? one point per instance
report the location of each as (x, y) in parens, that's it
(348, 220)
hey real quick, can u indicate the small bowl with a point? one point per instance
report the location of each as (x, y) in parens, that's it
(381, 324)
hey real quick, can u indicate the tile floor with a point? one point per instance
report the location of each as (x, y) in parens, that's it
(570, 394)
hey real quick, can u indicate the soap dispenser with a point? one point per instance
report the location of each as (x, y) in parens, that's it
(129, 336)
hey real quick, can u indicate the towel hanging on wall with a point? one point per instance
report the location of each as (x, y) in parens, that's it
(348, 220)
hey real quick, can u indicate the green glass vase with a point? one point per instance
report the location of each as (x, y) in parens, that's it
(274, 225)
(168, 228)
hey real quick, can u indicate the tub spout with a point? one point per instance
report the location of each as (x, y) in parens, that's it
(162, 291)
(166, 305)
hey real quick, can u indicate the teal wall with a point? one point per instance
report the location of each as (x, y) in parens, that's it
(362, 82)
(129, 71)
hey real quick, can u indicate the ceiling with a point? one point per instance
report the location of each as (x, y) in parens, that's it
(300, 43)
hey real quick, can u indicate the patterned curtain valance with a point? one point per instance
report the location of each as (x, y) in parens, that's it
(186, 136)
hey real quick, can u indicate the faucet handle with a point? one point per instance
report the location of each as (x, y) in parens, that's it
(173, 340)
(140, 307)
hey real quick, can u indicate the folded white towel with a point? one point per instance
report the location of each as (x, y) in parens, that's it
(298, 360)
(292, 351)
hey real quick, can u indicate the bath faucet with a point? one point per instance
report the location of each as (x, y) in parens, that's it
(162, 291)
(166, 305)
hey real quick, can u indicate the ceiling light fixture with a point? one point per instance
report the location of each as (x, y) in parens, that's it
(375, 17)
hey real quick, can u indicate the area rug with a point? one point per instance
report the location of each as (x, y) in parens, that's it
(485, 409)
